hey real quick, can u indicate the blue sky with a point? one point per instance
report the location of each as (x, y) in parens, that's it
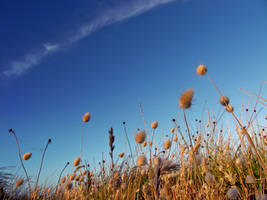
(60, 60)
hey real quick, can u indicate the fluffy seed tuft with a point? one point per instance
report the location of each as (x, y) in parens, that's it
(140, 137)
(186, 99)
(250, 179)
(141, 160)
(232, 193)
(167, 144)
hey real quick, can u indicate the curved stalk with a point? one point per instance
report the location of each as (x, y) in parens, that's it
(28, 180)
(48, 142)
(61, 174)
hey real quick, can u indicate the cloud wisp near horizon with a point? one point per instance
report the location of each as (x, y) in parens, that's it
(106, 17)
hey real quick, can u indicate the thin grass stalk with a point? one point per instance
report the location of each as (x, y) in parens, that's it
(251, 143)
(28, 180)
(42, 160)
(61, 174)
(189, 135)
(125, 131)
(246, 133)
(82, 141)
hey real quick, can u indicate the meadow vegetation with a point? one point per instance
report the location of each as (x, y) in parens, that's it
(204, 161)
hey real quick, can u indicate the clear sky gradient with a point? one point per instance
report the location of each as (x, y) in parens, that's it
(61, 59)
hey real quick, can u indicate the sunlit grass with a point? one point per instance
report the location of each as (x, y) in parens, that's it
(202, 162)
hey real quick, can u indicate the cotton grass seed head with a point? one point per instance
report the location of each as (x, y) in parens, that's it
(210, 179)
(141, 160)
(201, 70)
(27, 156)
(185, 100)
(154, 125)
(19, 182)
(167, 144)
(240, 161)
(232, 193)
(76, 161)
(86, 117)
(224, 100)
(250, 179)
(140, 137)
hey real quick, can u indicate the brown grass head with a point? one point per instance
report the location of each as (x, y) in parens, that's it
(76, 161)
(27, 156)
(72, 176)
(154, 125)
(19, 182)
(86, 117)
(140, 137)
(167, 144)
(68, 186)
(201, 70)
(141, 160)
(144, 144)
(229, 108)
(224, 100)
(185, 100)
(121, 155)
(63, 180)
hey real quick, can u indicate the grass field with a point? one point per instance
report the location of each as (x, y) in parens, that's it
(207, 161)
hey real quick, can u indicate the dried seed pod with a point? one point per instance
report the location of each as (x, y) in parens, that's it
(154, 125)
(224, 100)
(86, 117)
(27, 156)
(76, 161)
(201, 70)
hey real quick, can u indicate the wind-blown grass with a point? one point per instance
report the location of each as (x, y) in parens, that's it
(206, 161)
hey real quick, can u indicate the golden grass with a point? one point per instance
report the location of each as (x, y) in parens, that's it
(218, 164)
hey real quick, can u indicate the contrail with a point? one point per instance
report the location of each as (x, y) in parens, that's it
(106, 17)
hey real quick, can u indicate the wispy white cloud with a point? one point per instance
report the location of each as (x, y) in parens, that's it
(51, 47)
(106, 17)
